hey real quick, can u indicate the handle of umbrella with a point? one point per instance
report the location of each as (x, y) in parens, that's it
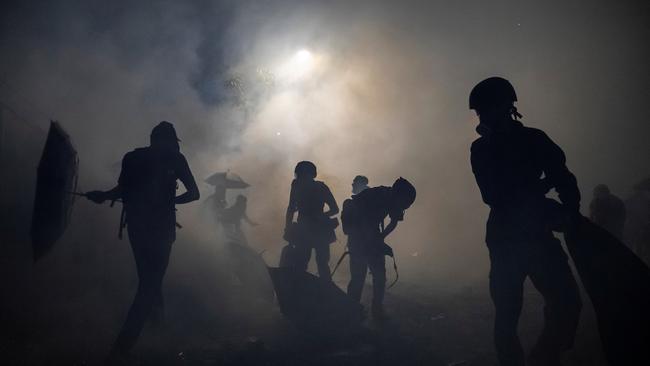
(85, 195)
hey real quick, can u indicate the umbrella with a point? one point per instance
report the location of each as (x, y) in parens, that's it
(618, 284)
(227, 180)
(57, 176)
(250, 269)
(314, 305)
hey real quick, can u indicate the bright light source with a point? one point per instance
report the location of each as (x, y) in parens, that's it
(299, 66)
(303, 56)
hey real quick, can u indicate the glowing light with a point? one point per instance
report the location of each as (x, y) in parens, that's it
(303, 56)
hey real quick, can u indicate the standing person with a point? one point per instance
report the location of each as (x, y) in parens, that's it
(232, 217)
(314, 228)
(608, 211)
(363, 221)
(147, 187)
(508, 161)
(637, 226)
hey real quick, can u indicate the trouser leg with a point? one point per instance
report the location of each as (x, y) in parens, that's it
(151, 261)
(506, 289)
(358, 271)
(552, 276)
(377, 266)
(322, 261)
(302, 255)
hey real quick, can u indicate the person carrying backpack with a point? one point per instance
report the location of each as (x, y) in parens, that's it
(363, 222)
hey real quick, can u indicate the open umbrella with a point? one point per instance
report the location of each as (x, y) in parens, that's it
(618, 284)
(227, 180)
(56, 178)
(314, 305)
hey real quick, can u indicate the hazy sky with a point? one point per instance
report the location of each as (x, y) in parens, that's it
(364, 87)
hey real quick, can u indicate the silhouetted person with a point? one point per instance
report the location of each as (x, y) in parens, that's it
(232, 217)
(147, 186)
(314, 228)
(359, 184)
(637, 226)
(509, 161)
(608, 211)
(363, 221)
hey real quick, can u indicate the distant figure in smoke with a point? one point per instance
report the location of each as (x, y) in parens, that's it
(637, 226)
(232, 217)
(508, 161)
(147, 187)
(363, 221)
(314, 228)
(608, 211)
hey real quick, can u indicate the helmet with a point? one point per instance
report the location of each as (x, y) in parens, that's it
(405, 192)
(164, 131)
(494, 90)
(305, 169)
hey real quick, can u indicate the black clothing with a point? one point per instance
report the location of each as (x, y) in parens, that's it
(315, 229)
(363, 219)
(515, 166)
(509, 165)
(148, 188)
(609, 212)
(546, 264)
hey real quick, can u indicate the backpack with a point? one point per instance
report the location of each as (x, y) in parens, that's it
(350, 215)
(148, 180)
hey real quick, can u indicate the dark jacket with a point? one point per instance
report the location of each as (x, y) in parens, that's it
(515, 167)
(148, 184)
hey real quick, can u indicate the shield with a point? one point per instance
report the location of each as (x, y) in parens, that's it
(314, 305)
(618, 284)
(227, 180)
(250, 269)
(56, 178)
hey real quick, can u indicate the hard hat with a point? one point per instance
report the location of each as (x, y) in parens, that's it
(491, 91)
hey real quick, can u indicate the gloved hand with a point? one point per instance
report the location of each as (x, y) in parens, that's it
(96, 196)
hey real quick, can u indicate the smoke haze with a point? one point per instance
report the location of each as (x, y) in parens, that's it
(367, 87)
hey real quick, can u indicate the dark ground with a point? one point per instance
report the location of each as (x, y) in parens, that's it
(68, 315)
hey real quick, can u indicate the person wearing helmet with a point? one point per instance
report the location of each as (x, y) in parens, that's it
(508, 161)
(363, 221)
(608, 211)
(314, 228)
(147, 187)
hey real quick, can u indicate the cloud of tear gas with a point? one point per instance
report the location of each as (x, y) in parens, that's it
(369, 88)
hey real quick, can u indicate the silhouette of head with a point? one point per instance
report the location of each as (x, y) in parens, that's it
(601, 190)
(359, 184)
(403, 194)
(164, 136)
(305, 170)
(493, 100)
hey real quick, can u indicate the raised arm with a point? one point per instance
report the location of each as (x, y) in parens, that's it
(333, 208)
(185, 176)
